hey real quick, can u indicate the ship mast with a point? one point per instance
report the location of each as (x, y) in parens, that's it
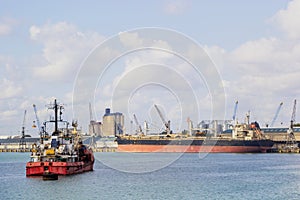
(56, 107)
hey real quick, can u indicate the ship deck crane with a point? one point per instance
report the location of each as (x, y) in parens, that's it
(235, 111)
(146, 127)
(139, 129)
(167, 124)
(276, 114)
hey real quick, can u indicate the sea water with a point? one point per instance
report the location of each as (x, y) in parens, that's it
(186, 176)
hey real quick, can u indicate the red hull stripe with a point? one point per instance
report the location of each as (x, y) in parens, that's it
(191, 149)
(60, 168)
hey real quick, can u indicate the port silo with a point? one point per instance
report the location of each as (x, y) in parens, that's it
(113, 123)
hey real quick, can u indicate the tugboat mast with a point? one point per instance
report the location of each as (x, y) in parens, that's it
(55, 118)
(55, 107)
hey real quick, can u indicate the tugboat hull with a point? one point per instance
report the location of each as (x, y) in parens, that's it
(60, 152)
(59, 168)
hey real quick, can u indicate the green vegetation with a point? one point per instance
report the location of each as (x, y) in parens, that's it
(297, 124)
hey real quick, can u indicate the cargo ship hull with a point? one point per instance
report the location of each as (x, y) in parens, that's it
(195, 146)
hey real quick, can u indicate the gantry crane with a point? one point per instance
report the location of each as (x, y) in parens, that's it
(167, 124)
(276, 114)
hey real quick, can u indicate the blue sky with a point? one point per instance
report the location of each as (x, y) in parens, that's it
(225, 23)
(254, 45)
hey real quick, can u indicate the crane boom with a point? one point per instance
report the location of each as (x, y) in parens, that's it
(91, 113)
(290, 142)
(22, 143)
(92, 122)
(167, 124)
(235, 110)
(160, 115)
(293, 118)
(276, 114)
(23, 125)
(37, 119)
(139, 130)
(24, 119)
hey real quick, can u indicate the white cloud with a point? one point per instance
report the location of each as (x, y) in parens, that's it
(263, 72)
(258, 51)
(9, 89)
(130, 40)
(176, 7)
(288, 19)
(4, 29)
(64, 48)
(8, 115)
(216, 54)
(154, 77)
(6, 26)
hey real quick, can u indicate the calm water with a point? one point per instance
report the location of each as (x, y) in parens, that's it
(215, 176)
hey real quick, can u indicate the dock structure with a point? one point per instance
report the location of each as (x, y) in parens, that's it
(105, 150)
(280, 134)
(102, 144)
(14, 150)
(284, 148)
(13, 145)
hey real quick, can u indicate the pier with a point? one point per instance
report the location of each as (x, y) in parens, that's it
(16, 145)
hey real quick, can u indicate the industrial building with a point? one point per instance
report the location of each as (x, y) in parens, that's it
(95, 128)
(113, 123)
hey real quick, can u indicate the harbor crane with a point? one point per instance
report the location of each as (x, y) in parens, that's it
(276, 114)
(167, 124)
(293, 118)
(37, 121)
(139, 128)
(290, 132)
(92, 123)
(22, 143)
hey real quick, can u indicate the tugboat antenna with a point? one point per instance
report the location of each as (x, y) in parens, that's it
(55, 107)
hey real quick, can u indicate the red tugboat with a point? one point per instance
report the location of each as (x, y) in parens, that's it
(61, 152)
